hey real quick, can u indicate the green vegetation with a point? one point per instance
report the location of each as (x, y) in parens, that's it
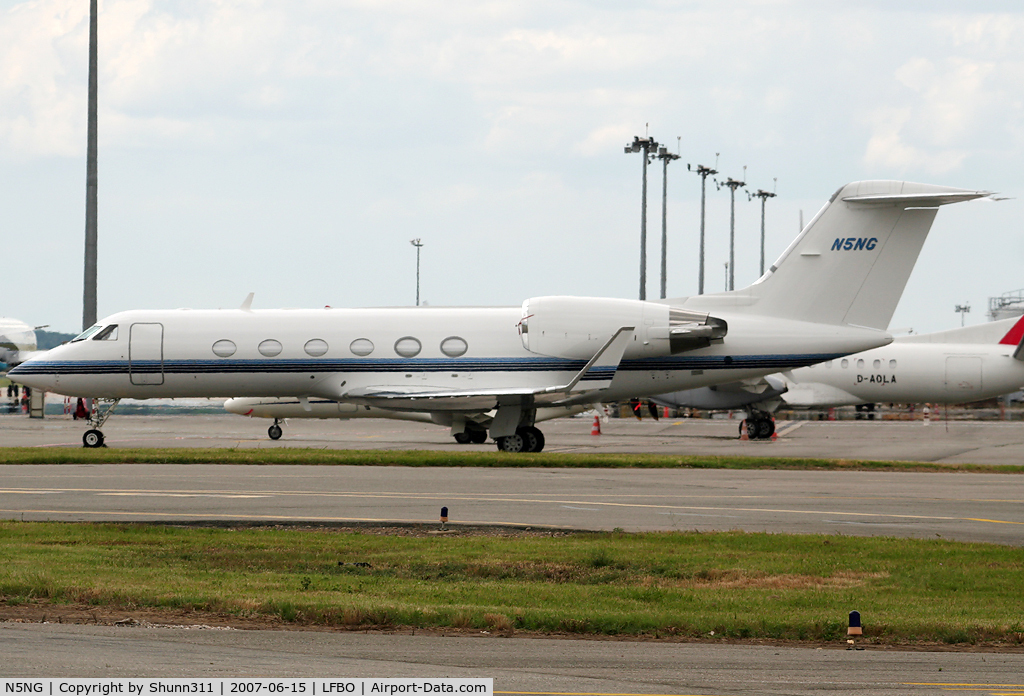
(738, 585)
(292, 455)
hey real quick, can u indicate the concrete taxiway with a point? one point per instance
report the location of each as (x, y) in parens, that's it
(518, 665)
(978, 442)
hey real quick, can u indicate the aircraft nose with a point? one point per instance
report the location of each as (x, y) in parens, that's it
(33, 376)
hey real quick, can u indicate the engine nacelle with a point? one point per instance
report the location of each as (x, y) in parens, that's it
(577, 327)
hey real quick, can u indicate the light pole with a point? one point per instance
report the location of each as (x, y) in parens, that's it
(963, 310)
(665, 156)
(703, 173)
(645, 144)
(733, 184)
(419, 245)
(91, 178)
(763, 195)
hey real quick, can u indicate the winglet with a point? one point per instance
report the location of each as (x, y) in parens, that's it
(600, 370)
(247, 304)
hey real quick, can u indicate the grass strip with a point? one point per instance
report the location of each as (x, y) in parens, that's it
(425, 458)
(734, 584)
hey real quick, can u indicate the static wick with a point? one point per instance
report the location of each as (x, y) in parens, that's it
(444, 518)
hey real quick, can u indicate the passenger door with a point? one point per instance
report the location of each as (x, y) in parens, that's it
(146, 354)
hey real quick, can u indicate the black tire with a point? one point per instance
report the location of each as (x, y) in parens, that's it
(533, 439)
(752, 429)
(765, 428)
(478, 437)
(463, 438)
(510, 443)
(92, 438)
(275, 432)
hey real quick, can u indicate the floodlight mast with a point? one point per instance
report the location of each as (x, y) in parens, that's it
(89, 290)
(963, 310)
(763, 195)
(665, 156)
(733, 184)
(703, 172)
(419, 245)
(645, 144)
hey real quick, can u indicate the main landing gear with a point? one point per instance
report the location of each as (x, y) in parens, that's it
(526, 439)
(275, 431)
(476, 436)
(759, 425)
(93, 437)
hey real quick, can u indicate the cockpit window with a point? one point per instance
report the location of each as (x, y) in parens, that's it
(87, 333)
(107, 334)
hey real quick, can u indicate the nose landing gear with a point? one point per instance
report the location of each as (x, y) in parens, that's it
(275, 431)
(94, 436)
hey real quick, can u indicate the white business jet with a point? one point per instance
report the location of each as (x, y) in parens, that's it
(17, 341)
(830, 294)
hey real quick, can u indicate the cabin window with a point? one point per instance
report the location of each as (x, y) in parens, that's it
(87, 333)
(454, 346)
(107, 334)
(860, 363)
(845, 363)
(270, 348)
(892, 364)
(361, 347)
(877, 364)
(315, 347)
(828, 364)
(408, 347)
(224, 348)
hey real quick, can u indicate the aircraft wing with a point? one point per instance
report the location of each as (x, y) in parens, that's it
(595, 376)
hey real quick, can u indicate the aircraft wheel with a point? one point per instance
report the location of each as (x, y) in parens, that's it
(510, 443)
(92, 438)
(533, 439)
(463, 438)
(765, 428)
(753, 432)
(274, 432)
(478, 437)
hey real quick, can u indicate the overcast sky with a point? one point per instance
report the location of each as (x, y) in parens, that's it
(294, 148)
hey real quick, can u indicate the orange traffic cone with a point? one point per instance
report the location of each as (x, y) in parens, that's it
(596, 430)
(743, 430)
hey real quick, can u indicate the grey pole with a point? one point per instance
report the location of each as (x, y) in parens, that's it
(733, 185)
(89, 294)
(665, 156)
(419, 245)
(645, 145)
(764, 196)
(703, 172)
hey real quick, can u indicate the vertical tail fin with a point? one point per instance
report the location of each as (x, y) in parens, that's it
(850, 264)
